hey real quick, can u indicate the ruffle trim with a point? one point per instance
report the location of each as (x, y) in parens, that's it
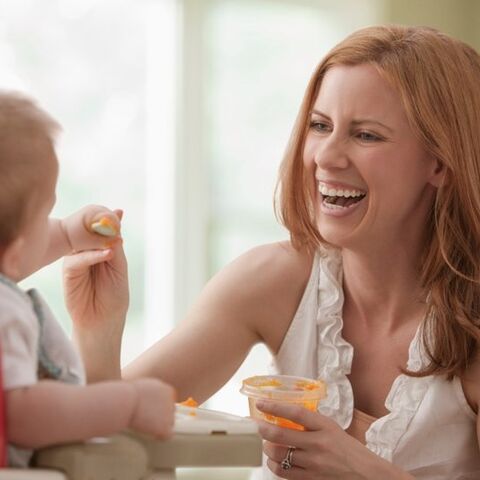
(335, 357)
(335, 354)
(403, 401)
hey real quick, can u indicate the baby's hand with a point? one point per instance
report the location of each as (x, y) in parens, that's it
(154, 412)
(92, 228)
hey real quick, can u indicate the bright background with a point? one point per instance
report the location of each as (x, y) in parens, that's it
(178, 112)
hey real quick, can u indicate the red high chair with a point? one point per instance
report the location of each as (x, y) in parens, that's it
(3, 439)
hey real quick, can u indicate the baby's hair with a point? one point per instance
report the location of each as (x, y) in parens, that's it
(27, 136)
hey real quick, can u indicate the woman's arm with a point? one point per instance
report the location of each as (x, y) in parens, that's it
(251, 300)
(51, 412)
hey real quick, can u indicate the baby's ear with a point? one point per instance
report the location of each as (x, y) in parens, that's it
(11, 260)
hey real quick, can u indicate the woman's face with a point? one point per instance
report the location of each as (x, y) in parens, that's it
(374, 183)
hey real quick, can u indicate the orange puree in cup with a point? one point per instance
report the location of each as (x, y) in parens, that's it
(283, 389)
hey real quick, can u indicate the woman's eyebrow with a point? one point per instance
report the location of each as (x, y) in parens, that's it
(355, 122)
(318, 112)
(370, 120)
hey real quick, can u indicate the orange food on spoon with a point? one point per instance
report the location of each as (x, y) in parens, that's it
(106, 227)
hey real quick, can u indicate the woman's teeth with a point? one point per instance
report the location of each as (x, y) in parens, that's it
(332, 192)
(338, 198)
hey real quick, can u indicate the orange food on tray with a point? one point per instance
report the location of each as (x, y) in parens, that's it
(189, 402)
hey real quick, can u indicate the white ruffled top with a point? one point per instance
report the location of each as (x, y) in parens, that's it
(430, 430)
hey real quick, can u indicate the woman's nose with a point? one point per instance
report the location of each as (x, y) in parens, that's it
(331, 153)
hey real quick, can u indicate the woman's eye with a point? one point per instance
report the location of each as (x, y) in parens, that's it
(319, 126)
(368, 137)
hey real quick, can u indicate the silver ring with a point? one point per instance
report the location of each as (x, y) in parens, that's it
(287, 461)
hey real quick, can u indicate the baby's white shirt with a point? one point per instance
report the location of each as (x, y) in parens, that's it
(33, 346)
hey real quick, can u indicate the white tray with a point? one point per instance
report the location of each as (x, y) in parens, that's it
(192, 420)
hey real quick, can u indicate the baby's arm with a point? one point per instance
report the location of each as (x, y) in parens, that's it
(51, 412)
(75, 233)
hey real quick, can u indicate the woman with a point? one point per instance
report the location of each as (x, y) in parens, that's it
(377, 292)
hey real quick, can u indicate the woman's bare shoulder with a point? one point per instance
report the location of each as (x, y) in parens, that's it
(273, 265)
(269, 281)
(272, 275)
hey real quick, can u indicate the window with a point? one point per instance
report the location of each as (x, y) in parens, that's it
(90, 64)
(248, 63)
(177, 111)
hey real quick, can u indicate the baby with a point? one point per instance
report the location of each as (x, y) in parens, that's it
(47, 401)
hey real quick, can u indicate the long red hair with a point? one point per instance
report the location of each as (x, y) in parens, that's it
(438, 79)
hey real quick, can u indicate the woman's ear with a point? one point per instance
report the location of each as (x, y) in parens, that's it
(11, 260)
(439, 174)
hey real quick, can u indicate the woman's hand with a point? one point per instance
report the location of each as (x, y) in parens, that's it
(75, 234)
(97, 296)
(323, 451)
(77, 228)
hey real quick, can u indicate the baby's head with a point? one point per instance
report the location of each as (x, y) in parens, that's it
(28, 175)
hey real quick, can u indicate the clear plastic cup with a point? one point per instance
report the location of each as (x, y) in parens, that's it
(283, 389)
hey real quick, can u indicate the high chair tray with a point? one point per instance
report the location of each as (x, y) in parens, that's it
(118, 457)
(205, 438)
(192, 420)
(202, 438)
(203, 450)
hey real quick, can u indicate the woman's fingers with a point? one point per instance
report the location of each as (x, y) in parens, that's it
(278, 453)
(281, 435)
(298, 414)
(308, 444)
(82, 261)
(294, 473)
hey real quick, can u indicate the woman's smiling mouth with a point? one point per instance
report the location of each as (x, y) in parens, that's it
(339, 199)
